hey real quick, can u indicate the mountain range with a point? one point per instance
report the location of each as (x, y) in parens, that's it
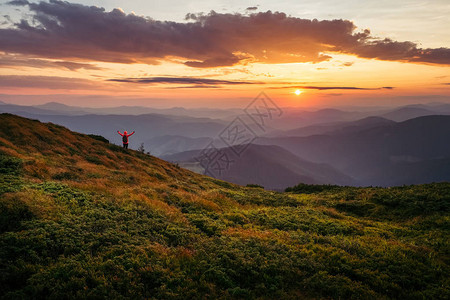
(380, 155)
(403, 145)
(269, 166)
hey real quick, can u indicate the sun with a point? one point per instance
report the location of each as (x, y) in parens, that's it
(298, 92)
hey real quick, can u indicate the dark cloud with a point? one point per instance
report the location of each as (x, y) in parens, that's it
(14, 61)
(196, 82)
(320, 88)
(251, 8)
(193, 82)
(198, 86)
(73, 66)
(18, 2)
(63, 30)
(342, 88)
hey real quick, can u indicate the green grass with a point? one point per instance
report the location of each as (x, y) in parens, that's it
(122, 224)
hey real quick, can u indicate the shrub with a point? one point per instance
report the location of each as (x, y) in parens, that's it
(10, 165)
(12, 212)
(313, 188)
(99, 138)
(94, 160)
(252, 185)
(141, 148)
(66, 176)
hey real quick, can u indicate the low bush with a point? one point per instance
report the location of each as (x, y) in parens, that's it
(99, 138)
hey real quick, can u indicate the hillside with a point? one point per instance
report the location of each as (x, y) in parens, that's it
(272, 167)
(81, 218)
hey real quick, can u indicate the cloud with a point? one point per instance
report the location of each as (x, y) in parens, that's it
(321, 88)
(46, 82)
(195, 86)
(75, 66)
(15, 61)
(18, 2)
(68, 31)
(196, 82)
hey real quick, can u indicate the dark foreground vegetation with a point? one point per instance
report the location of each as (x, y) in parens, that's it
(81, 218)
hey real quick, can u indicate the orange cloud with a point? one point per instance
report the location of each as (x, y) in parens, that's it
(63, 30)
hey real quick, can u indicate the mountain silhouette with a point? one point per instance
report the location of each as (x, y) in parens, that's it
(271, 167)
(339, 127)
(370, 155)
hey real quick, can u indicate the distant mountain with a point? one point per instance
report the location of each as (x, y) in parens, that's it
(174, 111)
(360, 125)
(171, 144)
(291, 119)
(371, 155)
(56, 108)
(339, 127)
(22, 109)
(271, 167)
(294, 119)
(408, 171)
(406, 113)
(440, 107)
(146, 126)
(59, 107)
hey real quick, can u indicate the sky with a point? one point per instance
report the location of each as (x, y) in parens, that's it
(223, 53)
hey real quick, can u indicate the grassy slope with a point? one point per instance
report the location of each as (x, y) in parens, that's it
(83, 218)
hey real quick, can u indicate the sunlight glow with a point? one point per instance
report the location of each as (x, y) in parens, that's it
(298, 92)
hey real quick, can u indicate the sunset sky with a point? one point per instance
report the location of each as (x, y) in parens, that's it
(223, 53)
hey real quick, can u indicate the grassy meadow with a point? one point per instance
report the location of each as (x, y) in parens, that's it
(83, 218)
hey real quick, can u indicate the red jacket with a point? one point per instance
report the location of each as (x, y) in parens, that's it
(125, 135)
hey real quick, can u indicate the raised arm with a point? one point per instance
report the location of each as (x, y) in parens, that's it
(119, 132)
(131, 134)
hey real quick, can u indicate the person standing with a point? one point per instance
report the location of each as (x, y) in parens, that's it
(125, 136)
